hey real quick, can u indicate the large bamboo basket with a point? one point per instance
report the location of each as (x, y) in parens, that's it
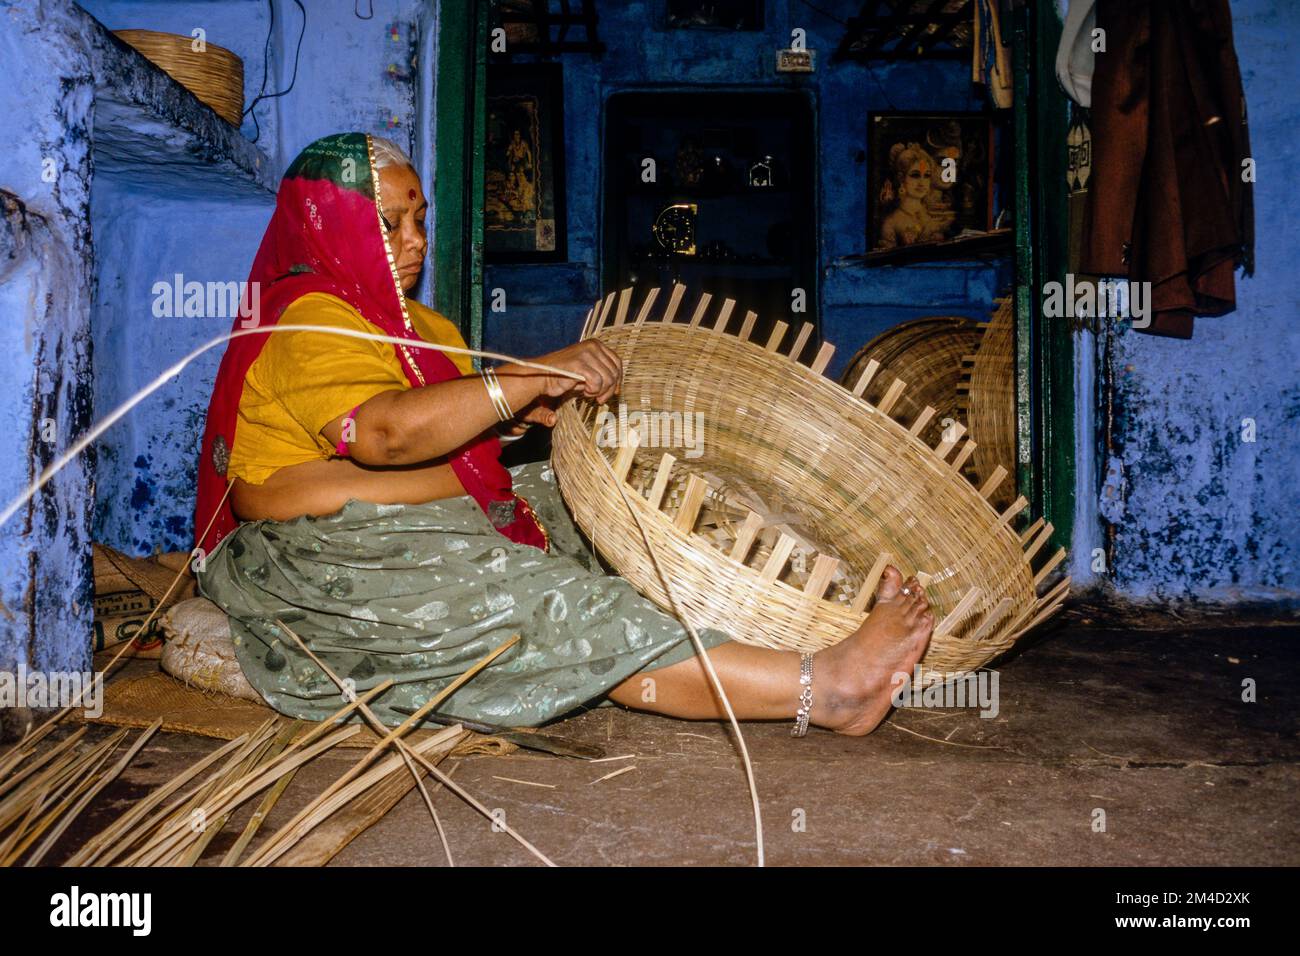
(779, 531)
(927, 354)
(987, 404)
(215, 76)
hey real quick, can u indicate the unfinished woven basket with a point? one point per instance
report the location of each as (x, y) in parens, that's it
(215, 76)
(926, 354)
(778, 530)
(987, 404)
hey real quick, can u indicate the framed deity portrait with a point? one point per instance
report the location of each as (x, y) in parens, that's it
(930, 178)
(523, 167)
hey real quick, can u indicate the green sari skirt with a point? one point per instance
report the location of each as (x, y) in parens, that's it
(420, 593)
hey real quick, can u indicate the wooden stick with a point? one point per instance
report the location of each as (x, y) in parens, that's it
(647, 306)
(778, 334)
(626, 451)
(991, 619)
(747, 326)
(624, 300)
(824, 568)
(1029, 532)
(892, 395)
(1014, 509)
(674, 302)
(958, 613)
(823, 358)
(995, 479)
(660, 485)
(1038, 542)
(805, 331)
(745, 537)
(692, 501)
(951, 435)
(604, 313)
(922, 420)
(724, 315)
(962, 456)
(865, 378)
(869, 584)
(776, 561)
(1047, 568)
(701, 309)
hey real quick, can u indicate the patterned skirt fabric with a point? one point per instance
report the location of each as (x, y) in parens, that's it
(419, 594)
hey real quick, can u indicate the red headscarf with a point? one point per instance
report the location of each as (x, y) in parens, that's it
(325, 236)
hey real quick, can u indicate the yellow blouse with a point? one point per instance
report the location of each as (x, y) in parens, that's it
(302, 381)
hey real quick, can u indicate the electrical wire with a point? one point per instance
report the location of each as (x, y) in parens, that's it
(266, 59)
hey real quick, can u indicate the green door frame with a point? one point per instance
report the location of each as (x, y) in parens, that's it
(458, 187)
(1045, 413)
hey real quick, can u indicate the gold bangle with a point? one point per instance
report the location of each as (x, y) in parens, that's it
(497, 395)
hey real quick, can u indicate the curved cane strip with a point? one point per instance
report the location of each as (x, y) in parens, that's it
(118, 413)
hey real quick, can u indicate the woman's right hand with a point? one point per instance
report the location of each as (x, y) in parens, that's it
(599, 366)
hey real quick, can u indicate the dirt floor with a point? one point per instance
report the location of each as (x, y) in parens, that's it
(1148, 727)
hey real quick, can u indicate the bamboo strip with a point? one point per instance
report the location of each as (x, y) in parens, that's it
(269, 800)
(824, 568)
(604, 313)
(961, 458)
(960, 612)
(1030, 531)
(922, 420)
(990, 620)
(624, 301)
(952, 435)
(701, 309)
(660, 485)
(894, 392)
(823, 358)
(674, 302)
(1050, 566)
(777, 560)
(745, 537)
(805, 332)
(692, 501)
(778, 334)
(626, 451)
(1038, 543)
(865, 378)
(747, 326)
(724, 316)
(647, 305)
(867, 590)
(989, 487)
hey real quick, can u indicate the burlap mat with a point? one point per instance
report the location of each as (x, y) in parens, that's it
(137, 701)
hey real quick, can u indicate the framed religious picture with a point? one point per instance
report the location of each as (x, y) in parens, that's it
(523, 166)
(930, 178)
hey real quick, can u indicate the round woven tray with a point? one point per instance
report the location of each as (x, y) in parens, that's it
(215, 76)
(777, 526)
(927, 355)
(987, 404)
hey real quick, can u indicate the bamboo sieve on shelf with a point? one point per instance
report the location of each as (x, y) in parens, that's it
(215, 75)
(778, 532)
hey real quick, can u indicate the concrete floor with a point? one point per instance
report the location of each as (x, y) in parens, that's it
(1149, 727)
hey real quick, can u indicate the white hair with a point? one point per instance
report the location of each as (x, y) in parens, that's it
(388, 153)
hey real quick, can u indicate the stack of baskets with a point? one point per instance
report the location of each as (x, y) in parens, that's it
(214, 75)
(779, 530)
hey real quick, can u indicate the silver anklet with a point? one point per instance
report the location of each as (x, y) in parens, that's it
(805, 697)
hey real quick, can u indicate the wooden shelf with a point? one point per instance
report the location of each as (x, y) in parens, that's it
(985, 245)
(147, 126)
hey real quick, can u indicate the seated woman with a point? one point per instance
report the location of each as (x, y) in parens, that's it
(379, 525)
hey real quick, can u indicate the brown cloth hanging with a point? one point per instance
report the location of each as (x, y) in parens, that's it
(1167, 203)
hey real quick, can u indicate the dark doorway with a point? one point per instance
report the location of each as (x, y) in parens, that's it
(716, 191)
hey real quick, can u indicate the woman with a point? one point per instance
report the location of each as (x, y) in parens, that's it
(379, 525)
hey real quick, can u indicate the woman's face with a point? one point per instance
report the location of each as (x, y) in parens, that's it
(404, 209)
(916, 181)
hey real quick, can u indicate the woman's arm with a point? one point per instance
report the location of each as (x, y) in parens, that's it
(408, 426)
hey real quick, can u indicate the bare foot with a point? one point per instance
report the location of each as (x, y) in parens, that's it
(853, 681)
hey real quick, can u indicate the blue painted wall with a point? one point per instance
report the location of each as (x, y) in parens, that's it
(1207, 514)
(547, 303)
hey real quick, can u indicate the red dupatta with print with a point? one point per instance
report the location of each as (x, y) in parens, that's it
(326, 236)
